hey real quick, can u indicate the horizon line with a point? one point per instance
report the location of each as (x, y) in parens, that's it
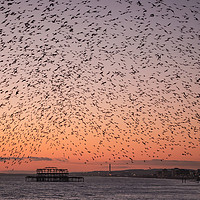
(23, 172)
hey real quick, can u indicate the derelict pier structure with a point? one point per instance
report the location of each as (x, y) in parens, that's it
(53, 174)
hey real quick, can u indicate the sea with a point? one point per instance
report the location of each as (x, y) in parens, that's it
(97, 188)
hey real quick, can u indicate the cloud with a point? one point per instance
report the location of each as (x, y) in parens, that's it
(2, 159)
(122, 164)
(178, 162)
(61, 159)
(48, 159)
(40, 159)
(159, 163)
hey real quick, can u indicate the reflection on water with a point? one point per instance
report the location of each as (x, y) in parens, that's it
(15, 187)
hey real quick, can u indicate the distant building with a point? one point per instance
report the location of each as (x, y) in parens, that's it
(176, 173)
(109, 168)
(179, 173)
(166, 173)
(198, 175)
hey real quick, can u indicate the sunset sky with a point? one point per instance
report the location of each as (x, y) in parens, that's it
(88, 83)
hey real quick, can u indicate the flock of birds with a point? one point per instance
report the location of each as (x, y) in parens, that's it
(99, 80)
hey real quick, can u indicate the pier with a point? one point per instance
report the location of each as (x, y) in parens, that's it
(53, 174)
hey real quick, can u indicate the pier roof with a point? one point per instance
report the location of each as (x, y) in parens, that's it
(51, 170)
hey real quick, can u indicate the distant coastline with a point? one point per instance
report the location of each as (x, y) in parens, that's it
(173, 173)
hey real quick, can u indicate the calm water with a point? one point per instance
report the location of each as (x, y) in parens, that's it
(94, 188)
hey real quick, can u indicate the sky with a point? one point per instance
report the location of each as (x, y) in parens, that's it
(84, 84)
